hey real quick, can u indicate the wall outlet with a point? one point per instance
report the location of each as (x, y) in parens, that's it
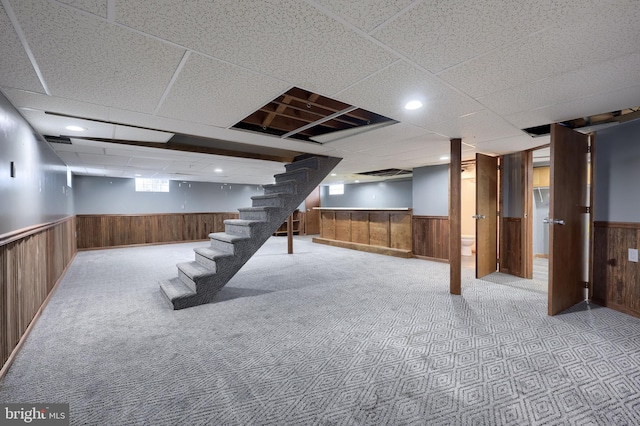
(633, 255)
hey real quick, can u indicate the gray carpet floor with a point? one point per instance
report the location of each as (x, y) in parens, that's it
(326, 336)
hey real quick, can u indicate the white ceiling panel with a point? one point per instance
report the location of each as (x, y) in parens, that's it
(512, 144)
(87, 59)
(477, 127)
(582, 83)
(17, 72)
(38, 101)
(440, 34)
(407, 145)
(607, 30)
(392, 134)
(70, 158)
(597, 104)
(105, 160)
(388, 91)
(97, 7)
(216, 93)
(77, 146)
(148, 163)
(281, 39)
(54, 125)
(141, 135)
(366, 14)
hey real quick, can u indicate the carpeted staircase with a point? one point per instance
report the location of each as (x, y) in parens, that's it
(199, 281)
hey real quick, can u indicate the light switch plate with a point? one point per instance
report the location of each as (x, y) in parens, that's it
(633, 255)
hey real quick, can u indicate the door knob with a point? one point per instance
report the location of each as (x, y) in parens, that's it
(478, 216)
(558, 222)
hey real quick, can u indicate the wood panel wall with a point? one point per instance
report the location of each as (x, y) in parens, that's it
(616, 280)
(100, 231)
(386, 232)
(511, 246)
(431, 237)
(31, 263)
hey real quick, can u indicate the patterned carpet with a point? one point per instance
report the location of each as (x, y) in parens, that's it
(326, 336)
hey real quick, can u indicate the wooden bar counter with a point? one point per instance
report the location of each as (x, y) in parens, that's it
(383, 231)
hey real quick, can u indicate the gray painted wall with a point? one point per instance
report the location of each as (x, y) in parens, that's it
(38, 193)
(617, 170)
(389, 194)
(102, 195)
(431, 190)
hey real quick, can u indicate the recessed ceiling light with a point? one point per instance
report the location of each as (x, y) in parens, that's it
(333, 174)
(218, 170)
(356, 181)
(444, 157)
(76, 128)
(413, 105)
(137, 175)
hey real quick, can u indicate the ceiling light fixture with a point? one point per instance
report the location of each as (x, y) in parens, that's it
(218, 170)
(76, 128)
(411, 105)
(333, 174)
(444, 157)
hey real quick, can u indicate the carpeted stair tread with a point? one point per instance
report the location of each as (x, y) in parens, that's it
(269, 196)
(308, 163)
(227, 238)
(297, 173)
(284, 187)
(242, 222)
(175, 289)
(194, 270)
(211, 254)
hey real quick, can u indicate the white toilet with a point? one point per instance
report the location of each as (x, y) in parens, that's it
(467, 243)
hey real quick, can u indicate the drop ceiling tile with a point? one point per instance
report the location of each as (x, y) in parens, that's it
(38, 101)
(87, 59)
(69, 158)
(477, 127)
(608, 31)
(592, 105)
(289, 39)
(141, 135)
(365, 14)
(187, 166)
(17, 72)
(440, 34)
(105, 160)
(388, 91)
(216, 93)
(54, 125)
(76, 146)
(511, 144)
(585, 82)
(383, 136)
(148, 163)
(400, 147)
(97, 7)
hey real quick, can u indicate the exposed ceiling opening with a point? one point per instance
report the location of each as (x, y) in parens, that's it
(387, 173)
(300, 114)
(590, 123)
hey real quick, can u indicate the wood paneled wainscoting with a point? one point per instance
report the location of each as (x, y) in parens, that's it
(383, 231)
(511, 246)
(616, 280)
(101, 231)
(431, 237)
(32, 262)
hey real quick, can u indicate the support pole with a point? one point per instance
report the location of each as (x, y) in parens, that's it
(455, 217)
(290, 234)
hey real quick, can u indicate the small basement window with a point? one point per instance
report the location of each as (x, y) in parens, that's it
(152, 185)
(336, 189)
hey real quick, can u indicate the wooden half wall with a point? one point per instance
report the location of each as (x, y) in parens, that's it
(101, 231)
(32, 261)
(373, 230)
(431, 237)
(616, 280)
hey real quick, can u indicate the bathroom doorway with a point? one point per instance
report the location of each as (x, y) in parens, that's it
(540, 215)
(468, 210)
